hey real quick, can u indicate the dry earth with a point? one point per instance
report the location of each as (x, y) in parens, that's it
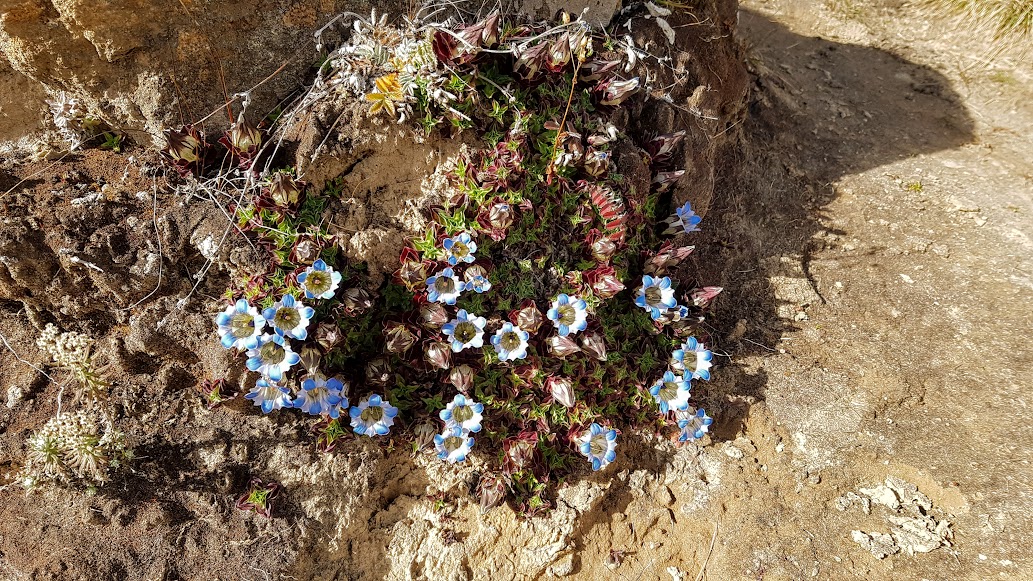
(875, 239)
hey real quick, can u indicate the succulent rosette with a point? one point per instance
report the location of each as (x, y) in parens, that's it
(693, 424)
(289, 317)
(460, 248)
(656, 296)
(694, 358)
(671, 392)
(373, 416)
(269, 395)
(240, 326)
(445, 287)
(510, 342)
(319, 281)
(321, 396)
(569, 314)
(464, 413)
(453, 444)
(272, 357)
(599, 445)
(465, 331)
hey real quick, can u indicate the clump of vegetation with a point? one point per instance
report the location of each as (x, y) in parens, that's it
(1005, 18)
(509, 330)
(79, 447)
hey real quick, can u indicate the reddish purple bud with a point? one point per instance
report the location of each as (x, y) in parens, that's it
(527, 317)
(284, 190)
(562, 346)
(243, 138)
(702, 297)
(310, 357)
(413, 274)
(530, 60)
(520, 452)
(462, 377)
(183, 146)
(596, 69)
(356, 301)
(305, 251)
(501, 216)
(603, 249)
(492, 29)
(445, 46)
(661, 147)
(328, 335)
(562, 390)
(491, 490)
(614, 91)
(438, 354)
(666, 179)
(594, 344)
(597, 163)
(423, 436)
(433, 315)
(378, 371)
(667, 257)
(398, 337)
(559, 53)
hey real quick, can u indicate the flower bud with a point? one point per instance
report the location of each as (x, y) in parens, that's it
(491, 490)
(490, 34)
(666, 179)
(520, 451)
(562, 346)
(501, 216)
(398, 338)
(615, 91)
(310, 357)
(182, 146)
(438, 354)
(423, 435)
(594, 344)
(356, 301)
(433, 315)
(528, 317)
(462, 377)
(413, 274)
(597, 163)
(603, 249)
(328, 335)
(702, 297)
(607, 285)
(559, 53)
(305, 251)
(242, 136)
(562, 390)
(378, 372)
(284, 189)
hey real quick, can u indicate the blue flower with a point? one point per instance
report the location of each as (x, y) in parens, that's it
(684, 220)
(656, 296)
(510, 342)
(465, 330)
(240, 326)
(373, 416)
(289, 317)
(319, 281)
(671, 391)
(569, 314)
(463, 413)
(445, 287)
(599, 445)
(480, 284)
(693, 358)
(272, 357)
(453, 444)
(460, 249)
(270, 395)
(320, 395)
(693, 424)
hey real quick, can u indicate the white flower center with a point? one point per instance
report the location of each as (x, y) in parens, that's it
(669, 391)
(509, 341)
(452, 443)
(465, 332)
(372, 414)
(567, 313)
(461, 413)
(598, 445)
(460, 250)
(691, 361)
(272, 353)
(287, 318)
(444, 285)
(318, 282)
(653, 295)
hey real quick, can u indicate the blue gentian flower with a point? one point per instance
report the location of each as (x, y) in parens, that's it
(569, 314)
(510, 342)
(463, 413)
(269, 395)
(460, 248)
(465, 330)
(479, 284)
(319, 281)
(684, 220)
(671, 391)
(373, 416)
(445, 287)
(289, 317)
(453, 444)
(240, 326)
(599, 445)
(272, 357)
(693, 424)
(692, 358)
(320, 395)
(656, 296)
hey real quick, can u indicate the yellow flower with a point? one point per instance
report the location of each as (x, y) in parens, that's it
(389, 90)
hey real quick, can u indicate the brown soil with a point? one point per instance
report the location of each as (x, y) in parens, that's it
(873, 235)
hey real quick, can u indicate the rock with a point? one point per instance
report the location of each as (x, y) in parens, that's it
(563, 566)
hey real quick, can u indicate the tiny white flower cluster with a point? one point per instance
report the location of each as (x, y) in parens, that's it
(74, 447)
(69, 349)
(68, 117)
